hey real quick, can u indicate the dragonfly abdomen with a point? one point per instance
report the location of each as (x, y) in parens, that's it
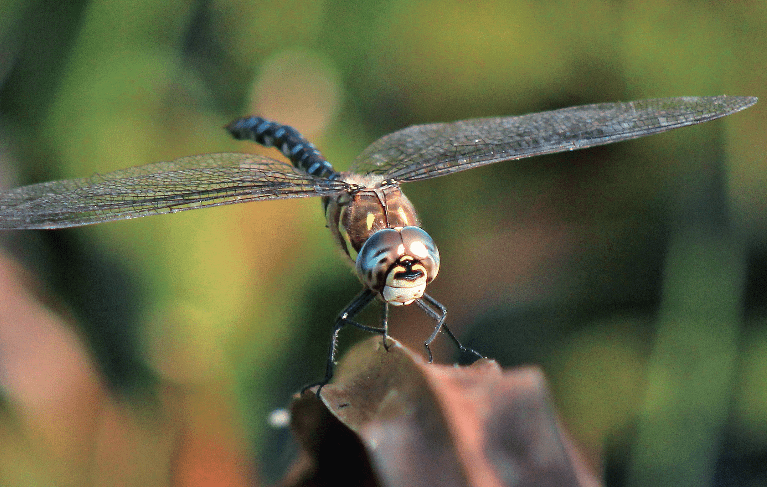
(288, 140)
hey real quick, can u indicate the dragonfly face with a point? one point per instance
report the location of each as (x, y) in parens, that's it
(398, 263)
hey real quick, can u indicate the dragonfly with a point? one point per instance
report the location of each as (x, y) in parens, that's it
(372, 221)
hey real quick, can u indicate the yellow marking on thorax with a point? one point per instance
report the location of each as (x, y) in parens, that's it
(370, 220)
(403, 215)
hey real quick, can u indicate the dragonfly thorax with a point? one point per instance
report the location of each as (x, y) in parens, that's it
(355, 217)
(398, 263)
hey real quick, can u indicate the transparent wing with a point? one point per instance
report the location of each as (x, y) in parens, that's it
(162, 187)
(427, 151)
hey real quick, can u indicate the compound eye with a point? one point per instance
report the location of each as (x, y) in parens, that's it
(419, 245)
(376, 257)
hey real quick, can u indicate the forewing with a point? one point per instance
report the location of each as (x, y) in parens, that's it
(162, 187)
(426, 151)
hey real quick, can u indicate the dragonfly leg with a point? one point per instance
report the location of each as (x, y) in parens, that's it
(385, 324)
(346, 317)
(438, 312)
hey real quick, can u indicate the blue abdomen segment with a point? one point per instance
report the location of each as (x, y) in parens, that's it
(288, 140)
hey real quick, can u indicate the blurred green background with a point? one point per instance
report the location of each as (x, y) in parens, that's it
(633, 274)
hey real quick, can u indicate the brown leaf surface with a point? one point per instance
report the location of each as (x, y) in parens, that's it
(432, 425)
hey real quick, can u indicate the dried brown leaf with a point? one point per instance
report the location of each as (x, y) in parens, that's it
(425, 424)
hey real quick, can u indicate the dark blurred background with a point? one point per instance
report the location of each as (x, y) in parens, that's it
(151, 352)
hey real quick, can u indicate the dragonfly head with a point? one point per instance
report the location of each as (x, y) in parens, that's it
(398, 263)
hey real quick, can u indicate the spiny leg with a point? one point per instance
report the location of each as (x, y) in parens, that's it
(428, 304)
(346, 318)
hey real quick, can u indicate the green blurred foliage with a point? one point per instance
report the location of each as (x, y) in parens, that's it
(577, 262)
